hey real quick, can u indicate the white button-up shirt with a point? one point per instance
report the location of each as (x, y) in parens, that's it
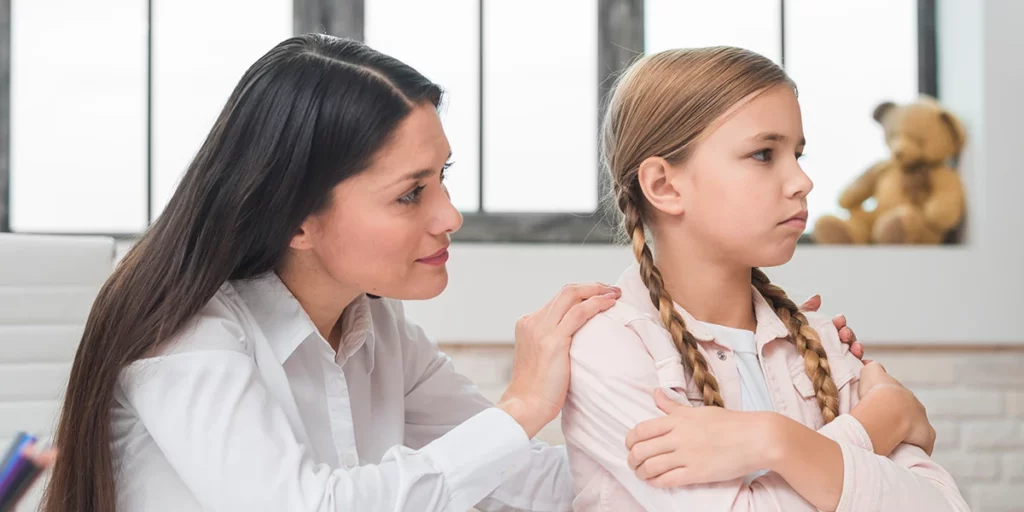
(249, 408)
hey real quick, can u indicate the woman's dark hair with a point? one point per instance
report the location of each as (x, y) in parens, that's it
(309, 114)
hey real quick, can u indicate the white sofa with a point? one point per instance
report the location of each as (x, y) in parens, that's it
(47, 286)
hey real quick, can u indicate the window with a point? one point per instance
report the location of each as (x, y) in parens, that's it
(78, 116)
(196, 62)
(129, 100)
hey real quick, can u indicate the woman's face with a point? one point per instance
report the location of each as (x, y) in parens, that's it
(386, 230)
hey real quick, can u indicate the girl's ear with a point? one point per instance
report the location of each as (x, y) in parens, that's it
(658, 187)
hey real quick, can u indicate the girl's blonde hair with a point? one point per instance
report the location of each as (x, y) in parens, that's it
(660, 106)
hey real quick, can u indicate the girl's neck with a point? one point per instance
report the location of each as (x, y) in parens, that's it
(320, 295)
(709, 288)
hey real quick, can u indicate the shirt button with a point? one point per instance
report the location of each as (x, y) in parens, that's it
(351, 460)
(721, 355)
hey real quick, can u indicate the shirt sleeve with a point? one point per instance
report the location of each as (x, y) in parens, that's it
(231, 444)
(438, 399)
(905, 480)
(613, 379)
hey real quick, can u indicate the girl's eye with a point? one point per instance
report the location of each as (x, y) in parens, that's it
(412, 197)
(799, 155)
(765, 155)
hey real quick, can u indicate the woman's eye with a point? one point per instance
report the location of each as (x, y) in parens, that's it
(412, 197)
(765, 155)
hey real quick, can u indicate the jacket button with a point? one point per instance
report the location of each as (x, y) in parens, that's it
(721, 355)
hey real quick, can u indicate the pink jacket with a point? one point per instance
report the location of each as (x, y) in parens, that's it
(623, 354)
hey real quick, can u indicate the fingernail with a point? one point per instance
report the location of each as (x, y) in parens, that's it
(610, 295)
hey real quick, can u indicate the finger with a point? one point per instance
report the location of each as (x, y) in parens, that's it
(846, 335)
(45, 459)
(657, 466)
(677, 477)
(570, 296)
(583, 312)
(839, 321)
(666, 404)
(858, 350)
(811, 304)
(647, 430)
(646, 449)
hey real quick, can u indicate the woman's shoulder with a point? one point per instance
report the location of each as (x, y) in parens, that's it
(218, 325)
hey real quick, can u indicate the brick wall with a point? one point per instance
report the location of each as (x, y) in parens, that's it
(974, 397)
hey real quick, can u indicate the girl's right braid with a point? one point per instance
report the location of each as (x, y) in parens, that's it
(651, 276)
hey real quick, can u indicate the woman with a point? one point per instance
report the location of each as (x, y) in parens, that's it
(240, 358)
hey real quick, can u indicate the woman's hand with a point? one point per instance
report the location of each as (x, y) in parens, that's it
(846, 334)
(695, 445)
(879, 390)
(540, 368)
(41, 457)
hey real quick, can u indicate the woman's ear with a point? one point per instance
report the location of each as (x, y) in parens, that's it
(655, 177)
(302, 239)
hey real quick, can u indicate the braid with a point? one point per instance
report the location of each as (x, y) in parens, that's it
(807, 342)
(683, 340)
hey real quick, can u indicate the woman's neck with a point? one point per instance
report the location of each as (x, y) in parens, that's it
(320, 295)
(707, 287)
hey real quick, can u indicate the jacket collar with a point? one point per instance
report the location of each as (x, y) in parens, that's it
(769, 326)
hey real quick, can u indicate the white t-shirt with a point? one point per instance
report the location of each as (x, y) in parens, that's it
(753, 387)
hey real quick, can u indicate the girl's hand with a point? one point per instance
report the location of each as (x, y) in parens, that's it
(878, 390)
(695, 445)
(540, 368)
(846, 335)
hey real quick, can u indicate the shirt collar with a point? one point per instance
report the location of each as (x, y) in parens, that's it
(286, 325)
(769, 326)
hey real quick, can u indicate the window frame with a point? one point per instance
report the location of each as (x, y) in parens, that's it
(620, 41)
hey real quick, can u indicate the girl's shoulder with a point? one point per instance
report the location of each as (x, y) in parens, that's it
(624, 340)
(827, 333)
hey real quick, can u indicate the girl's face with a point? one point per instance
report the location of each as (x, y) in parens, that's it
(386, 230)
(741, 194)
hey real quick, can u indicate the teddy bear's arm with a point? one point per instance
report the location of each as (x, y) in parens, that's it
(945, 205)
(863, 187)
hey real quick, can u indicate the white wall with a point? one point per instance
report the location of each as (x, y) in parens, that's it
(47, 286)
(948, 294)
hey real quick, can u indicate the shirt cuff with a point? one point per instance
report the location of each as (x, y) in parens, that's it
(481, 453)
(847, 429)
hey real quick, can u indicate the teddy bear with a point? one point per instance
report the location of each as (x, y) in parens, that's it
(919, 196)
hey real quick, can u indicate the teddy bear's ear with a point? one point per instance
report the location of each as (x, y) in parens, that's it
(956, 129)
(881, 109)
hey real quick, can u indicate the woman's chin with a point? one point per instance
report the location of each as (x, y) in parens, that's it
(419, 288)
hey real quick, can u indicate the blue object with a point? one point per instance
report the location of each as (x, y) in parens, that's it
(13, 460)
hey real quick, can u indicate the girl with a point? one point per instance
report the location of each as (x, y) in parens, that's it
(239, 357)
(703, 147)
